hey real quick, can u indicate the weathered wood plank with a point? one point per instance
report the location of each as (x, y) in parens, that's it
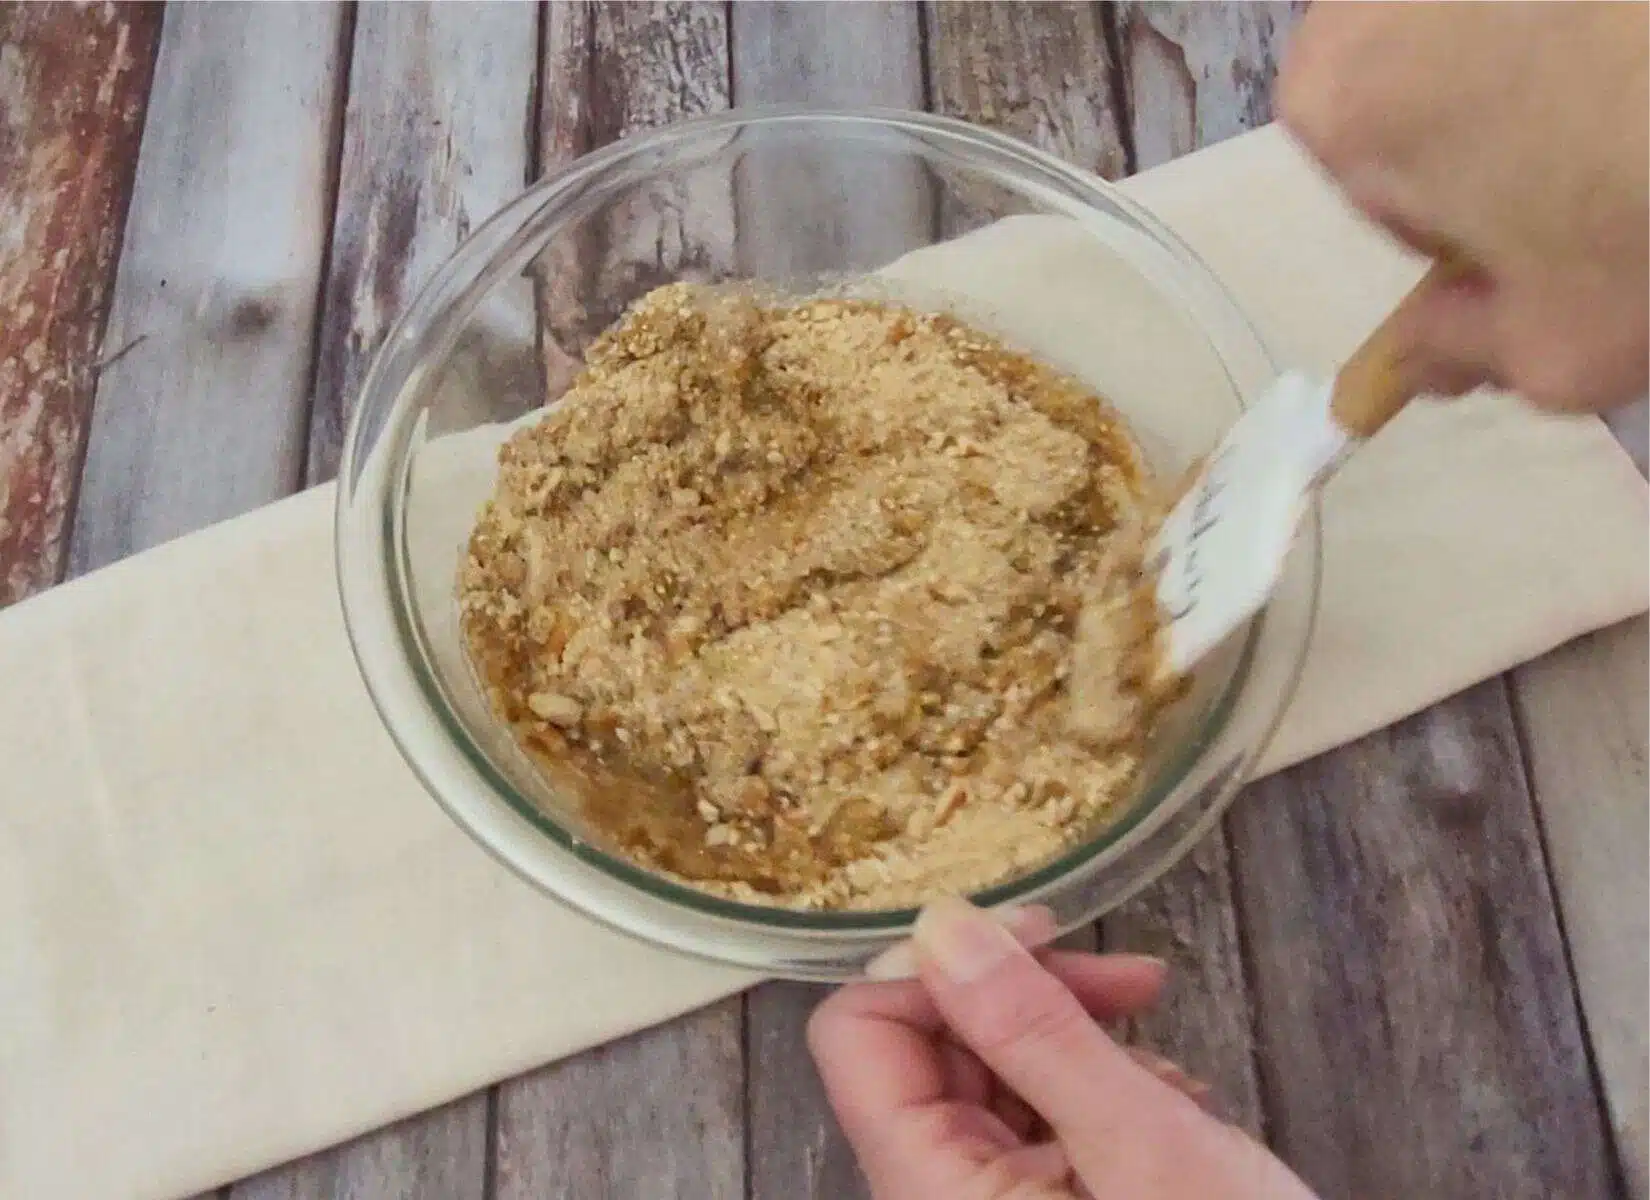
(74, 86)
(1040, 71)
(1181, 70)
(1586, 736)
(1583, 716)
(1196, 74)
(1044, 72)
(1204, 1021)
(1584, 733)
(1418, 1032)
(795, 218)
(813, 211)
(612, 69)
(662, 1113)
(435, 139)
(793, 53)
(203, 416)
(1192, 76)
(658, 1114)
(440, 1155)
(796, 1146)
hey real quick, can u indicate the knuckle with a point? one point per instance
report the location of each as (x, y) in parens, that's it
(1035, 1014)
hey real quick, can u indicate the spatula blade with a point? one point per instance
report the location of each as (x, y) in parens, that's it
(1222, 548)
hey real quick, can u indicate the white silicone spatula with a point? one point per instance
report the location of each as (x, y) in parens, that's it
(1222, 548)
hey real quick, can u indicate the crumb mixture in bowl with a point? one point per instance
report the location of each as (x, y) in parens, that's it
(827, 605)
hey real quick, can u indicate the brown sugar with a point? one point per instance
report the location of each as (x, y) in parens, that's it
(794, 591)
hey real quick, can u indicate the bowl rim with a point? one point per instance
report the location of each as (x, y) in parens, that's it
(432, 303)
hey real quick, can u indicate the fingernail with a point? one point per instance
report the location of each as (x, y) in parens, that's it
(1025, 923)
(961, 941)
(896, 962)
(1160, 965)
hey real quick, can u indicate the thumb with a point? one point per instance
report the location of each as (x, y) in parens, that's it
(1035, 1036)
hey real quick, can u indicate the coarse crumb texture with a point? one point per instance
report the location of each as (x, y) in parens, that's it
(796, 590)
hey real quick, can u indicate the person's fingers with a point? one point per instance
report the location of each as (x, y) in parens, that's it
(941, 1149)
(1035, 1035)
(1176, 1076)
(1451, 335)
(1040, 1172)
(966, 1077)
(1015, 1112)
(1110, 987)
(874, 1047)
(878, 1045)
(1033, 925)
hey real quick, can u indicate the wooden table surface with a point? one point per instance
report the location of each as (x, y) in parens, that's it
(1416, 965)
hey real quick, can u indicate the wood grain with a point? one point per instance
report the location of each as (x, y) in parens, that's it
(1586, 736)
(203, 417)
(1418, 1032)
(1042, 72)
(74, 85)
(436, 139)
(663, 1113)
(611, 70)
(1583, 715)
(800, 212)
(658, 1114)
(1411, 993)
(438, 1155)
(1196, 74)
(808, 209)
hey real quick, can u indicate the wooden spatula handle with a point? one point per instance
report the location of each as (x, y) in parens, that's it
(1376, 382)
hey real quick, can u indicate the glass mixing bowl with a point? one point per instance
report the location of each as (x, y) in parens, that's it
(795, 199)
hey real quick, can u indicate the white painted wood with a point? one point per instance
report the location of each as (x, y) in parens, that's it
(1197, 74)
(436, 140)
(204, 417)
(1049, 80)
(611, 70)
(814, 210)
(798, 215)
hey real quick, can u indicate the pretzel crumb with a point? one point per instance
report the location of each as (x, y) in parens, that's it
(794, 593)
